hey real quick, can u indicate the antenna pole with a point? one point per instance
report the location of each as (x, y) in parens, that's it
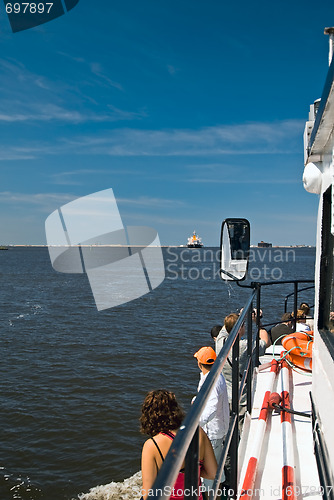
(330, 32)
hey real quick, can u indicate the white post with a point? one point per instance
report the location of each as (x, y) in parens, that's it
(330, 32)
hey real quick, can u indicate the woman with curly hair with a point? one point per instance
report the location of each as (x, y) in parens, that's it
(161, 417)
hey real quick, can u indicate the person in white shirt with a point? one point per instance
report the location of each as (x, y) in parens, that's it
(215, 417)
(301, 325)
(309, 320)
(220, 339)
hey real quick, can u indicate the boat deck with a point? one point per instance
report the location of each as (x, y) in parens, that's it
(268, 480)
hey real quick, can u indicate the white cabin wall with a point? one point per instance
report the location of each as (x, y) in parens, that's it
(322, 393)
(323, 365)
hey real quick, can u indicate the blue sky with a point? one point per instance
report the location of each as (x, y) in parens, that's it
(191, 111)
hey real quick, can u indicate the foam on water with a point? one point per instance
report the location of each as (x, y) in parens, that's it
(17, 487)
(129, 489)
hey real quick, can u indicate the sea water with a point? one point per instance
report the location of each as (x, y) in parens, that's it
(73, 379)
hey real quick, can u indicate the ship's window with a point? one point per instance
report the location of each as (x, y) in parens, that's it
(326, 292)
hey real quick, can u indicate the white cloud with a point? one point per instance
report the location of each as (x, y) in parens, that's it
(121, 114)
(27, 96)
(171, 69)
(250, 138)
(97, 70)
(46, 202)
(44, 112)
(145, 201)
(282, 137)
(243, 180)
(58, 199)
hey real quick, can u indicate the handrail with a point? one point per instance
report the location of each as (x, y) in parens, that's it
(258, 285)
(292, 293)
(227, 443)
(173, 462)
(166, 478)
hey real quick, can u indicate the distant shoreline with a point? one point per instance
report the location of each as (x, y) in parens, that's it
(143, 246)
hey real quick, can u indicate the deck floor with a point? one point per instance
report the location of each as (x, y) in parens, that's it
(268, 482)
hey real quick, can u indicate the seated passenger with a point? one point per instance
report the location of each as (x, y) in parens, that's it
(283, 328)
(254, 313)
(301, 325)
(309, 319)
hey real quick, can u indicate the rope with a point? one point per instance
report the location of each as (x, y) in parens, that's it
(308, 343)
(285, 353)
(274, 344)
(297, 370)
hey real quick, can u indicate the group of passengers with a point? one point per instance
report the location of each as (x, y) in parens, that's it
(161, 415)
(220, 339)
(304, 323)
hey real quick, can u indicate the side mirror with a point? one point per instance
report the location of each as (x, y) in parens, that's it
(234, 249)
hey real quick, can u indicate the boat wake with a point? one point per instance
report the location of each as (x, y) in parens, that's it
(129, 489)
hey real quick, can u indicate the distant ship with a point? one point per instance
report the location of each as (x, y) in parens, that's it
(194, 241)
(263, 244)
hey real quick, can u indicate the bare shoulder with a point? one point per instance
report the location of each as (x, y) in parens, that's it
(160, 439)
(148, 446)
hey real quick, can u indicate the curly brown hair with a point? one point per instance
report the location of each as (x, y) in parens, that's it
(160, 412)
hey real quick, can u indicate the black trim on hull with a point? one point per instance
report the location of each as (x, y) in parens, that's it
(321, 455)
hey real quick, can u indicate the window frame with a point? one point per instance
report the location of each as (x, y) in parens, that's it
(326, 285)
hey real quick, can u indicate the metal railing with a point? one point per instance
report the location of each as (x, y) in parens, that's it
(184, 439)
(185, 445)
(295, 293)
